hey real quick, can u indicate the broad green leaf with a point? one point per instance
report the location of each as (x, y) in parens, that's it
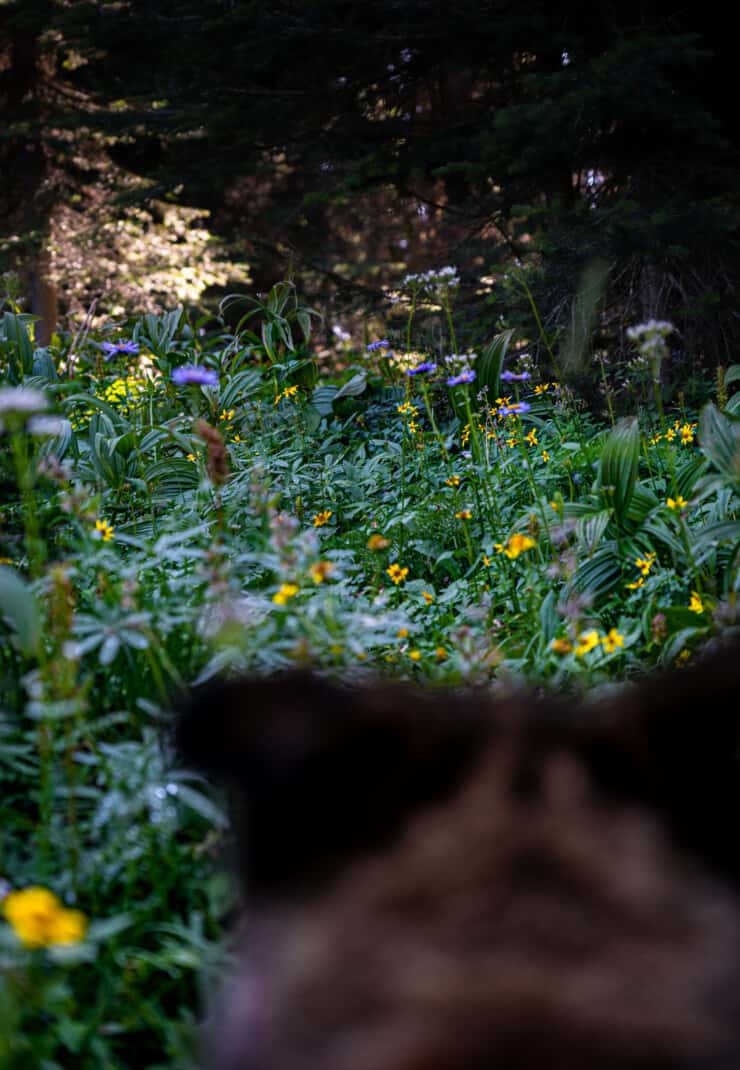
(240, 387)
(618, 465)
(356, 385)
(719, 439)
(590, 529)
(489, 364)
(598, 575)
(19, 608)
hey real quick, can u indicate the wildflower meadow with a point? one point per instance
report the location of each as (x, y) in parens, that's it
(182, 498)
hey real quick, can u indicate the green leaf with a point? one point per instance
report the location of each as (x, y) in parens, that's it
(618, 465)
(719, 438)
(491, 361)
(19, 608)
(642, 503)
(590, 529)
(16, 344)
(598, 574)
(322, 399)
(356, 385)
(684, 639)
(240, 387)
(549, 619)
(202, 806)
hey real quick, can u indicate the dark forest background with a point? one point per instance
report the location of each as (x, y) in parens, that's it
(155, 150)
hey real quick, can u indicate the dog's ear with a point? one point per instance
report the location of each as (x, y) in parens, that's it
(322, 772)
(673, 740)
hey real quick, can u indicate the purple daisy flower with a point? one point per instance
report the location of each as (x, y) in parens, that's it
(194, 375)
(464, 377)
(383, 344)
(512, 377)
(421, 368)
(112, 348)
(515, 409)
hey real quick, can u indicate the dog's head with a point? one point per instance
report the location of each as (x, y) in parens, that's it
(443, 882)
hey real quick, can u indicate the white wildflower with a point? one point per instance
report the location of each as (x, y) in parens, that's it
(22, 400)
(47, 425)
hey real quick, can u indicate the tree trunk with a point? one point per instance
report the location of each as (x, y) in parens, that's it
(31, 195)
(44, 298)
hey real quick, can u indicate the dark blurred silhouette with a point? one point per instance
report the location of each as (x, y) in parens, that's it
(451, 882)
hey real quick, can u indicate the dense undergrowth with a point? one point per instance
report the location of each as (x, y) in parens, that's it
(177, 503)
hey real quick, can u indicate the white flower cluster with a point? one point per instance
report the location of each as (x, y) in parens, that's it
(340, 334)
(17, 403)
(22, 399)
(431, 282)
(460, 362)
(650, 340)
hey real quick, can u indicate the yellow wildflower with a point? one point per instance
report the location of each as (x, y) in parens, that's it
(545, 456)
(517, 544)
(453, 481)
(378, 542)
(586, 643)
(397, 573)
(487, 560)
(696, 605)
(464, 514)
(531, 438)
(656, 439)
(191, 457)
(635, 586)
(676, 503)
(320, 570)
(687, 434)
(322, 518)
(402, 633)
(542, 389)
(105, 529)
(286, 592)
(561, 646)
(612, 641)
(645, 563)
(670, 434)
(289, 392)
(40, 920)
(415, 655)
(226, 414)
(440, 653)
(428, 598)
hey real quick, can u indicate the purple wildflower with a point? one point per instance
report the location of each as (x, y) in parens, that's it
(421, 368)
(111, 349)
(383, 344)
(194, 375)
(464, 377)
(512, 377)
(514, 409)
